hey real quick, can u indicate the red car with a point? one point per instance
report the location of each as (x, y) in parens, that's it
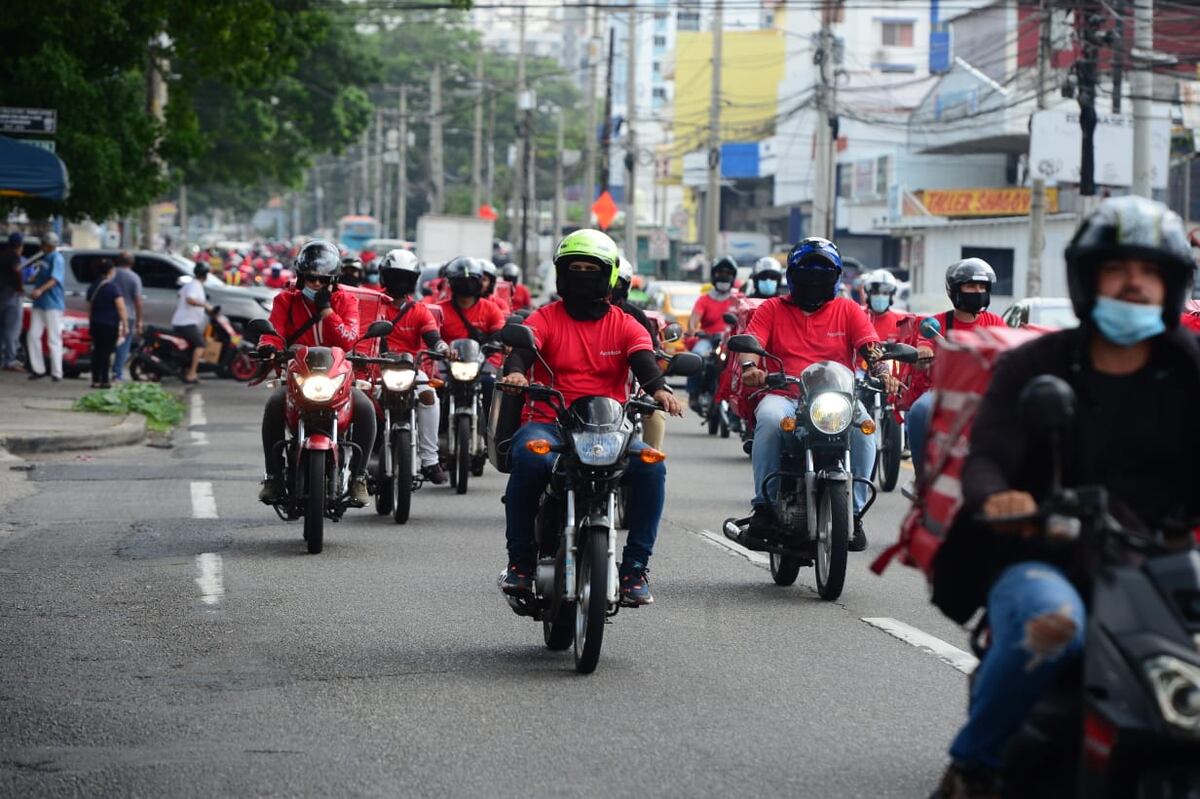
(76, 339)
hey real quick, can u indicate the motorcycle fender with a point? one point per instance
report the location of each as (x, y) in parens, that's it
(318, 441)
(834, 476)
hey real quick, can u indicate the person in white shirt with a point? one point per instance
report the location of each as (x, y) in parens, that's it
(189, 319)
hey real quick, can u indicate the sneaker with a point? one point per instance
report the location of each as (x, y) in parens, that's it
(858, 541)
(359, 494)
(55, 379)
(635, 587)
(14, 367)
(37, 375)
(517, 579)
(964, 782)
(434, 473)
(271, 491)
(763, 523)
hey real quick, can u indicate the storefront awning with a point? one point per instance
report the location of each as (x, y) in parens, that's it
(28, 171)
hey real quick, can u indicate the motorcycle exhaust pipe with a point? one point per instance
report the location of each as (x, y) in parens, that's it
(732, 531)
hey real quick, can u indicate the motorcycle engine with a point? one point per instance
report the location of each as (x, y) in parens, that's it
(793, 513)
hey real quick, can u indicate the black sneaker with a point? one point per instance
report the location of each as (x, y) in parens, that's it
(517, 579)
(434, 473)
(271, 491)
(763, 523)
(635, 587)
(858, 541)
(964, 782)
(37, 375)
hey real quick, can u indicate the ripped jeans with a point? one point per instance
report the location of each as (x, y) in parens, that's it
(1018, 668)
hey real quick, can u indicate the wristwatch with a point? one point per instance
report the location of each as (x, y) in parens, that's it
(748, 365)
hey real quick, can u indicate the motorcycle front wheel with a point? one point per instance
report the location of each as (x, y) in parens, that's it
(314, 503)
(142, 372)
(592, 605)
(559, 632)
(383, 483)
(402, 475)
(462, 453)
(833, 538)
(889, 458)
(242, 367)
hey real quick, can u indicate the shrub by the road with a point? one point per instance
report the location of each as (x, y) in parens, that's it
(162, 411)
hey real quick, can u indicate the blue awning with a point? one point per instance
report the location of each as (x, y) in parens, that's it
(28, 171)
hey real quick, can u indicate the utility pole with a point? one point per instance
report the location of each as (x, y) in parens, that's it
(1143, 90)
(477, 142)
(825, 166)
(556, 230)
(402, 168)
(631, 153)
(1085, 71)
(156, 101)
(712, 198)
(491, 149)
(437, 172)
(520, 179)
(184, 231)
(379, 170)
(606, 137)
(1118, 53)
(589, 147)
(1037, 200)
(365, 188)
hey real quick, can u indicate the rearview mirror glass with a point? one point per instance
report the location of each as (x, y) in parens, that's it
(685, 364)
(745, 343)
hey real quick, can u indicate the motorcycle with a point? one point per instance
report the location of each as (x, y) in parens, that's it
(396, 475)
(1126, 720)
(576, 585)
(465, 441)
(317, 450)
(160, 353)
(815, 506)
(717, 416)
(889, 434)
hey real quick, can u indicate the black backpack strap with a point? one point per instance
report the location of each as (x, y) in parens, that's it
(472, 331)
(300, 331)
(403, 312)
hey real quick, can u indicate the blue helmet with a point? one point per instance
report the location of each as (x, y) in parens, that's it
(814, 268)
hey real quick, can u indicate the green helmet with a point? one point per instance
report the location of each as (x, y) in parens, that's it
(589, 245)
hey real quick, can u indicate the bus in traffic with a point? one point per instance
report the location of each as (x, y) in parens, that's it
(355, 231)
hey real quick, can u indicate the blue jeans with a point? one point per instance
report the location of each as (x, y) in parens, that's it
(531, 473)
(10, 328)
(916, 421)
(1012, 676)
(769, 443)
(695, 383)
(122, 353)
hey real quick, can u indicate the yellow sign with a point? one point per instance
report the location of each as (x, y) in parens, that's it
(984, 202)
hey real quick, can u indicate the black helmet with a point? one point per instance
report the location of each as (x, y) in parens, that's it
(726, 264)
(318, 257)
(352, 268)
(969, 270)
(465, 276)
(511, 272)
(200, 270)
(1131, 227)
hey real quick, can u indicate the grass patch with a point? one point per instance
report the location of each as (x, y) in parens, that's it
(162, 411)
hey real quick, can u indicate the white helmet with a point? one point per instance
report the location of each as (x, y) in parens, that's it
(766, 264)
(489, 268)
(880, 280)
(625, 270)
(405, 260)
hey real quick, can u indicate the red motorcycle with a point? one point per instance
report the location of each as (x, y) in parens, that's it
(317, 450)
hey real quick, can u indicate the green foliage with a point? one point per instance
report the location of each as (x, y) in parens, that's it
(162, 411)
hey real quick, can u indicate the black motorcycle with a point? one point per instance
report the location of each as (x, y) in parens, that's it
(466, 444)
(576, 588)
(1125, 720)
(397, 474)
(815, 509)
(889, 434)
(161, 353)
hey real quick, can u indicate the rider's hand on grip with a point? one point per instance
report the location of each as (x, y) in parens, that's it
(1013, 512)
(514, 379)
(669, 402)
(266, 351)
(754, 377)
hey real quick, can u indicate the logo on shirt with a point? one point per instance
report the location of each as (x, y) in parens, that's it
(840, 333)
(610, 353)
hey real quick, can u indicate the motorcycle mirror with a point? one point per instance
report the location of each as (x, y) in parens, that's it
(515, 319)
(745, 343)
(685, 364)
(895, 351)
(729, 318)
(518, 337)
(931, 328)
(379, 329)
(1047, 405)
(257, 328)
(672, 332)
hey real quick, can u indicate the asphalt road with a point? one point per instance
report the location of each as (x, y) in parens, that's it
(148, 652)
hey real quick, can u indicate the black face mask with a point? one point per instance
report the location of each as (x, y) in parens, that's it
(399, 286)
(584, 294)
(350, 280)
(810, 289)
(466, 287)
(972, 303)
(620, 293)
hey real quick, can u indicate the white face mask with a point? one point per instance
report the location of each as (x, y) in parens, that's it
(723, 286)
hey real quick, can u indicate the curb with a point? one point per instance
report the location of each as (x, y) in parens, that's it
(130, 431)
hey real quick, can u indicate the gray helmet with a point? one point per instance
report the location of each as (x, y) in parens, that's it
(318, 257)
(1131, 227)
(511, 272)
(489, 268)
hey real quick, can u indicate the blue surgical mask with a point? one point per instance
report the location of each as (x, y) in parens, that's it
(310, 293)
(1127, 323)
(768, 286)
(880, 302)
(373, 279)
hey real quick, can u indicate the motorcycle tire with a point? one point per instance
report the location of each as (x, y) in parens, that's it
(784, 569)
(462, 453)
(714, 420)
(242, 367)
(314, 504)
(724, 428)
(559, 632)
(622, 505)
(591, 607)
(889, 461)
(383, 486)
(141, 372)
(833, 539)
(402, 476)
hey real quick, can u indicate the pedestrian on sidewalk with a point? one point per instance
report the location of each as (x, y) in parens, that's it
(130, 284)
(189, 319)
(49, 303)
(108, 320)
(12, 291)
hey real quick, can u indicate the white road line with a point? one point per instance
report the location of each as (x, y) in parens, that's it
(198, 417)
(757, 558)
(212, 588)
(963, 661)
(204, 505)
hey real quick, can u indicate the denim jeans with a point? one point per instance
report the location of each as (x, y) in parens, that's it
(122, 353)
(917, 422)
(531, 473)
(1012, 676)
(695, 383)
(769, 443)
(10, 328)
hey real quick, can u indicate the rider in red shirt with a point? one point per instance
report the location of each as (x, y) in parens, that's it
(468, 315)
(708, 317)
(489, 293)
(591, 346)
(413, 329)
(521, 298)
(314, 314)
(880, 288)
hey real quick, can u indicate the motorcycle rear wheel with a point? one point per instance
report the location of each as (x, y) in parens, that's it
(462, 453)
(784, 569)
(833, 539)
(402, 475)
(591, 607)
(141, 373)
(314, 503)
(242, 367)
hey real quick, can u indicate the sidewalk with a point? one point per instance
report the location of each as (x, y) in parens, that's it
(36, 417)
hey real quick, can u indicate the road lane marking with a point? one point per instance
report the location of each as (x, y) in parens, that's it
(952, 655)
(757, 558)
(212, 587)
(204, 504)
(199, 437)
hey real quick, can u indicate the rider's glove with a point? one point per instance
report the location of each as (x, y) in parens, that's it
(323, 299)
(266, 351)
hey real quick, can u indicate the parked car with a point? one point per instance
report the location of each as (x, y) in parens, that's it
(162, 274)
(1048, 313)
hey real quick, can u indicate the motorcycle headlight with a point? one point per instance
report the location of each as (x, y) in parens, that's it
(599, 449)
(320, 388)
(830, 412)
(464, 370)
(1176, 685)
(399, 379)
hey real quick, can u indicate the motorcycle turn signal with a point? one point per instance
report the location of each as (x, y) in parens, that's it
(651, 455)
(539, 446)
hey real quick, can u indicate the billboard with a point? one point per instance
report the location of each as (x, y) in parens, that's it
(1056, 142)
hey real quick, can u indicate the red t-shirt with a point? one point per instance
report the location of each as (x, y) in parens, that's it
(521, 298)
(484, 315)
(920, 380)
(291, 310)
(712, 312)
(886, 324)
(407, 334)
(501, 297)
(589, 359)
(834, 332)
